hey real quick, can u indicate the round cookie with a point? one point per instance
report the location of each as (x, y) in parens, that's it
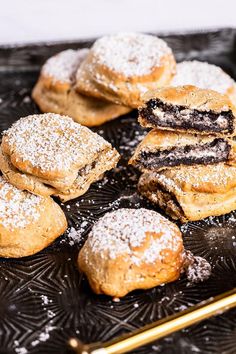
(205, 76)
(28, 223)
(121, 67)
(51, 146)
(54, 91)
(59, 71)
(130, 249)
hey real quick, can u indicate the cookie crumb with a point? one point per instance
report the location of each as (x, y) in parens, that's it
(197, 268)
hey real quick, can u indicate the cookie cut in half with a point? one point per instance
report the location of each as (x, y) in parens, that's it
(54, 91)
(189, 109)
(49, 154)
(28, 223)
(162, 149)
(130, 249)
(191, 193)
(206, 76)
(121, 67)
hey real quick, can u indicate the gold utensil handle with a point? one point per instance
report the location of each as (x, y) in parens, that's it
(159, 329)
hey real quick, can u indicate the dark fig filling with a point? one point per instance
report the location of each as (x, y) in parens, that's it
(213, 152)
(160, 114)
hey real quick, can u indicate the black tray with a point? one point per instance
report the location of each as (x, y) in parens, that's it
(44, 300)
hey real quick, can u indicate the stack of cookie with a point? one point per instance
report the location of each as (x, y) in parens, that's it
(188, 159)
(97, 85)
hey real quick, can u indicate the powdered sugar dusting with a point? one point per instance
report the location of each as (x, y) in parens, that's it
(121, 231)
(17, 208)
(130, 54)
(203, 75)
(161, 177)
(53, 143)
(219, 175)
(63, 66)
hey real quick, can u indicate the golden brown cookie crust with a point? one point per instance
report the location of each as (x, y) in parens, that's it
(54, 147)
(28, 223)
(85, 110)
(231, 93)
(21, 180)
(39, 186)
(192, 193)
(54, 92)
(218, 178)
(123, 91)
(134, 253)
(192, 97)
(143, 63)
(206, 76)
(52, 155)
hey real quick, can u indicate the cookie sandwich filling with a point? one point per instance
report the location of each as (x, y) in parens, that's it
(165, 115)
(212, 152)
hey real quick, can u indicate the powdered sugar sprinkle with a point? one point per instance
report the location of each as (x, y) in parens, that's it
(203, 75)
(121, 231)
(52, 142)
(17, 208)
(130, 54)
(63, 66)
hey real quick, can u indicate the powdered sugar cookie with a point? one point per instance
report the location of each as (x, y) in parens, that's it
(28, 223)
(54, 91)
(122, 67)
(52, 154)
(130, 249)
(206, 76)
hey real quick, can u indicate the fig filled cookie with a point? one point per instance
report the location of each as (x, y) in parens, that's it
(54, 91)
(28, 223)
(131, 249)
(121, 67)
(49, 154)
